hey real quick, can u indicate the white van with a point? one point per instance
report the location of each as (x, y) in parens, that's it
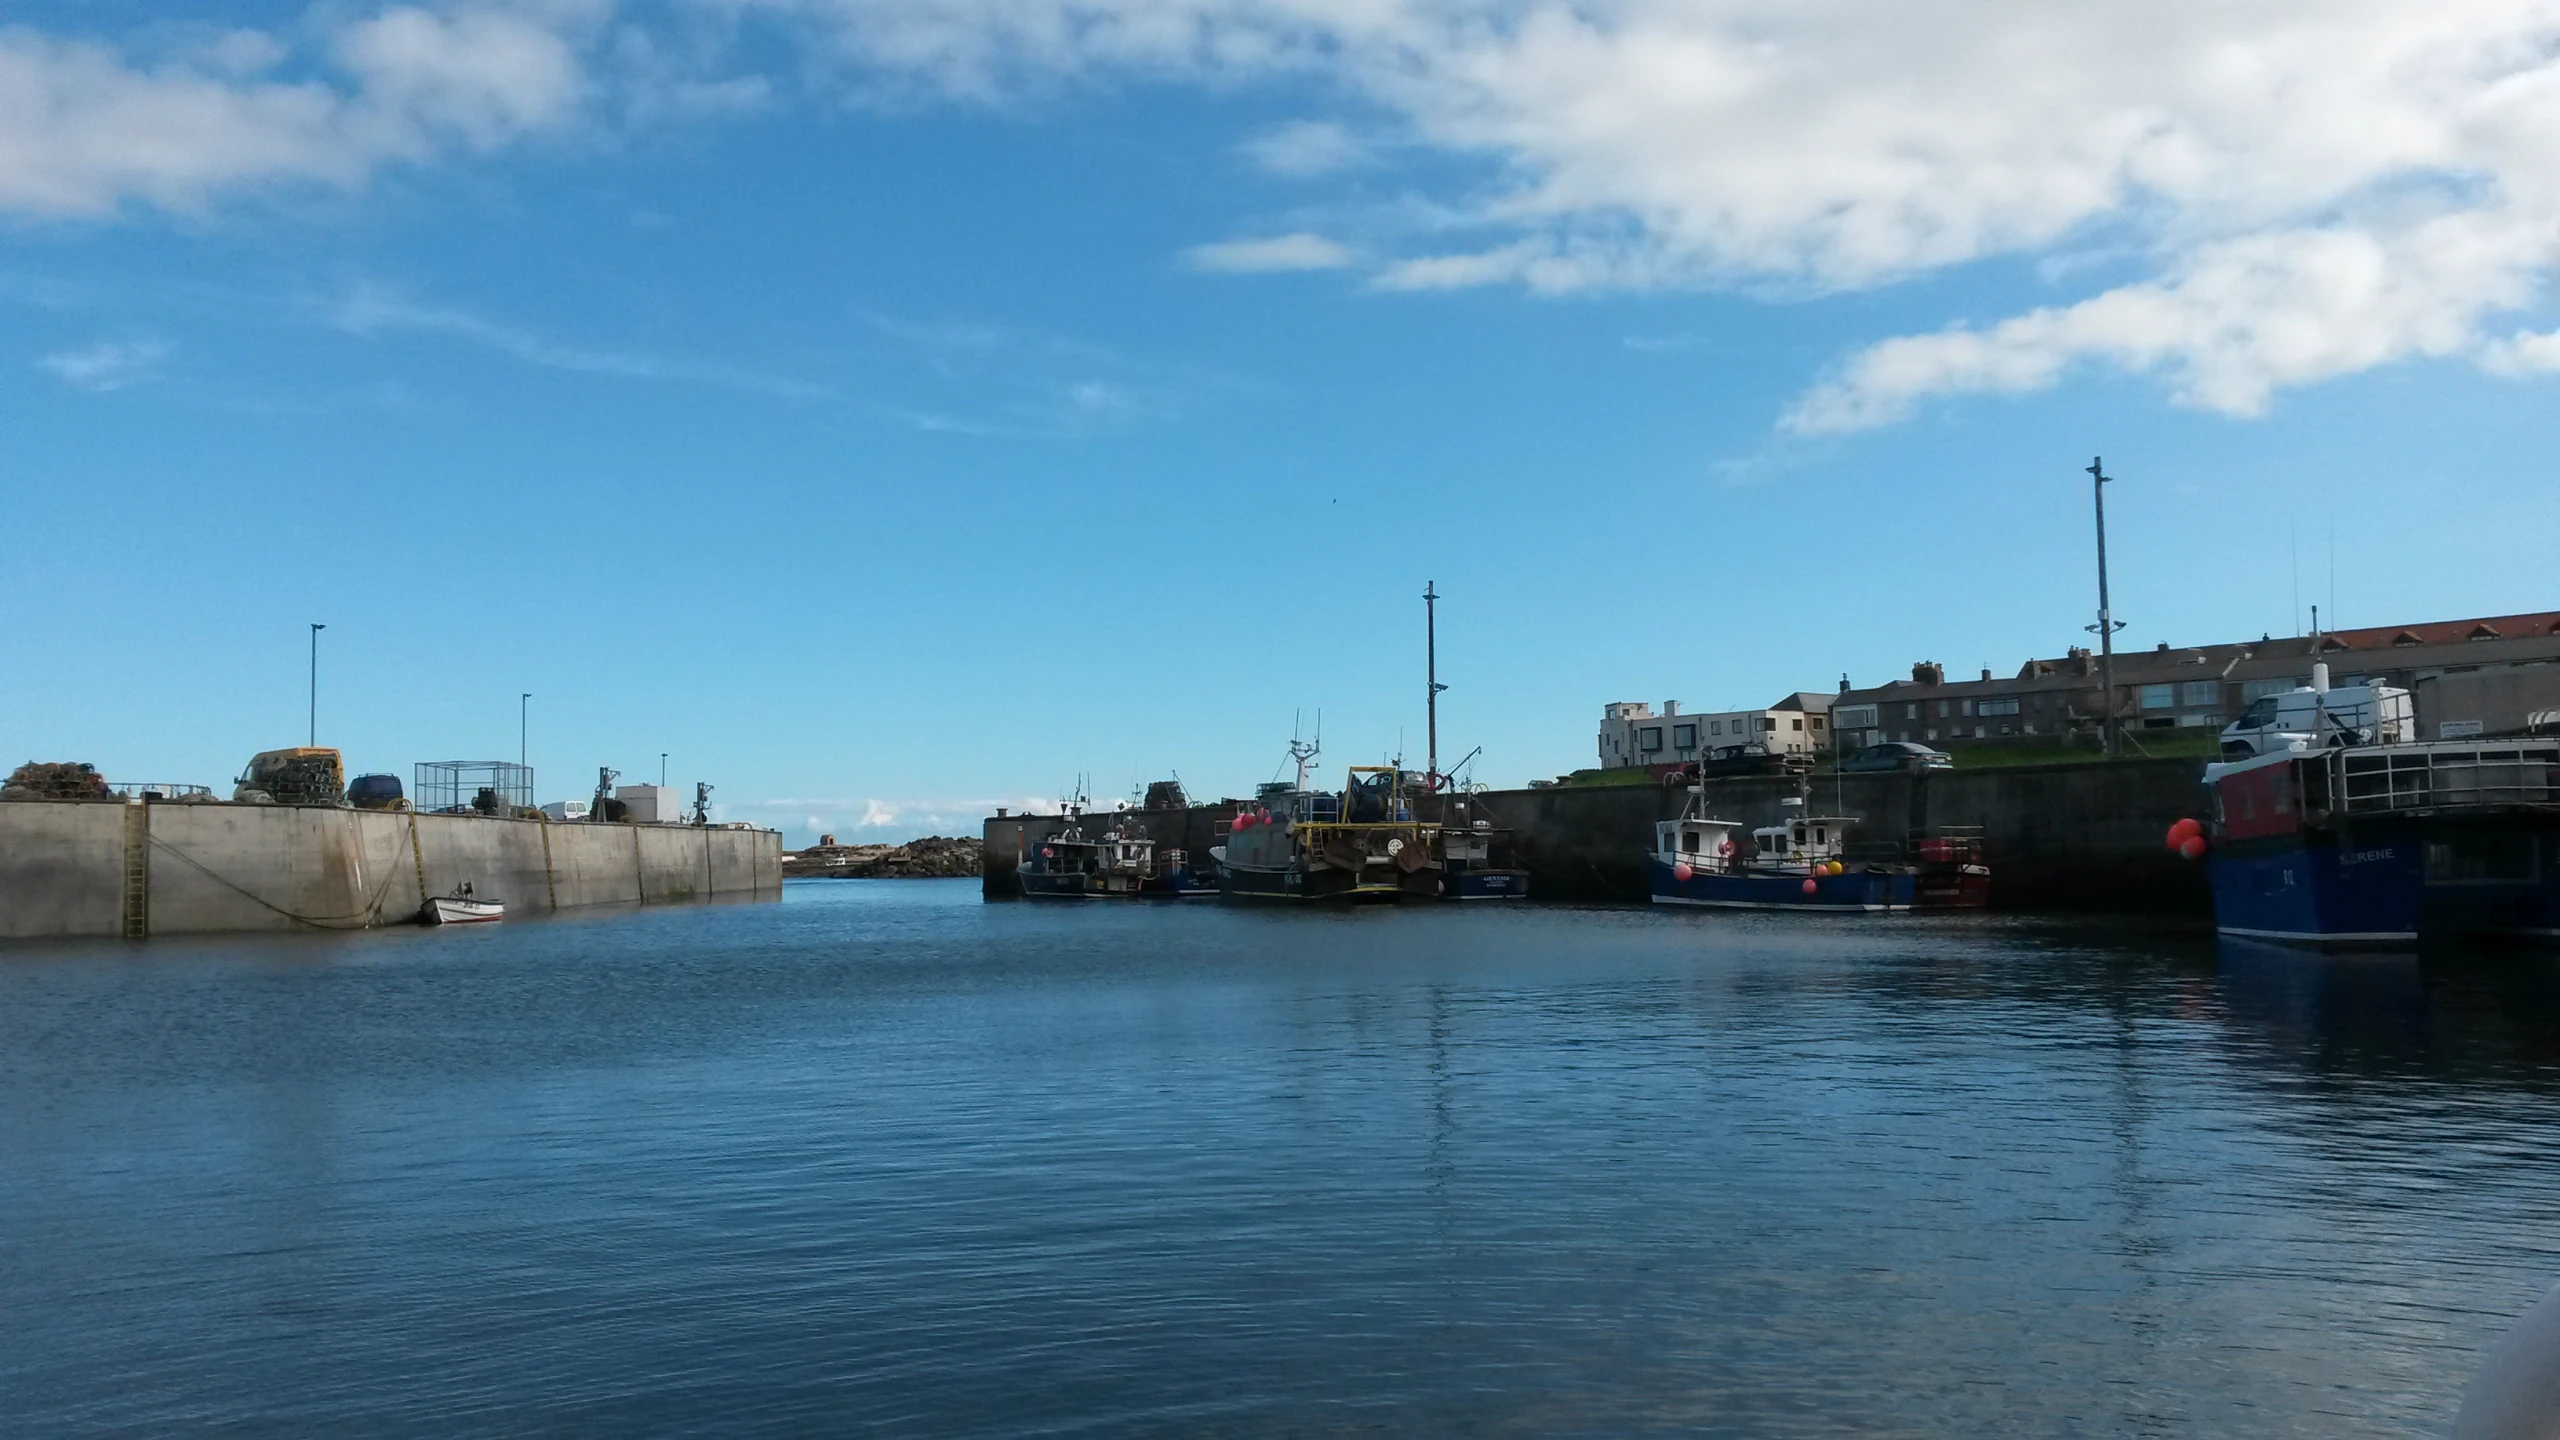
(2315, 716)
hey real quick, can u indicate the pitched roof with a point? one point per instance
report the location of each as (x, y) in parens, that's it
(2453, 632)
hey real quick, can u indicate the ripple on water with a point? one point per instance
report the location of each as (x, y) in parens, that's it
(886, 1158)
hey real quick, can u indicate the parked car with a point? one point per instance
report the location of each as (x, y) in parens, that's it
(1727, 761)
(1896, 755)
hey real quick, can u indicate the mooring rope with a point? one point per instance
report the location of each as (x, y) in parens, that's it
(361, 920)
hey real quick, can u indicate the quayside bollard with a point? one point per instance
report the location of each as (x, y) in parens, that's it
(2516, 1395)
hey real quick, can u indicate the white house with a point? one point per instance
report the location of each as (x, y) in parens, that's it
(1632, 735)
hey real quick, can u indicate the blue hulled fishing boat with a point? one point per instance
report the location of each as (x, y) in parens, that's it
(1799, 863)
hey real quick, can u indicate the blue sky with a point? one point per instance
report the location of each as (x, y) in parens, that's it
(892, 408)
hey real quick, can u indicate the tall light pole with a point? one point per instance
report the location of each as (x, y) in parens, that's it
(2107, 625)
(524, 712)
(316, 628)
(662, 769)
(1431, 673)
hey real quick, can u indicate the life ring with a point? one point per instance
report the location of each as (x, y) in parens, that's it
(1725, 849)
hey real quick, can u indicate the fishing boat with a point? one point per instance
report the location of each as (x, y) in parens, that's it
(1948, 870)
(1123, 863)
(462, 907)
(1062, 865)
(1175, 880)
(2359, 845)
(1800, 863)
(1477, 856)
(1363, 843)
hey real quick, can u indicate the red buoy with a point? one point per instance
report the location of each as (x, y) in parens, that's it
(1810, 887)
(2182, 832)
(2194, 847)
(1681, 872)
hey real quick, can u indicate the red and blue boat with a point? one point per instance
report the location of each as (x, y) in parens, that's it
(2388, 844)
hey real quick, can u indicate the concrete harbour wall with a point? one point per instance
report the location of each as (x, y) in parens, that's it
(70, 868)
(2058, 837)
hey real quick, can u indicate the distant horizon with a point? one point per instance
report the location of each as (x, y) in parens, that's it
(892, 412)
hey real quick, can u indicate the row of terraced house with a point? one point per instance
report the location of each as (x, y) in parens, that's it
(2065, 700)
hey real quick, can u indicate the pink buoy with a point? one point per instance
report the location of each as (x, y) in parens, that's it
(1681, 872)
(1810, 887)
(1048, 854)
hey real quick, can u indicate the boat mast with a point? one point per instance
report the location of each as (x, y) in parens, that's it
(1303, 752)
(1431, 673)
(2107, 625)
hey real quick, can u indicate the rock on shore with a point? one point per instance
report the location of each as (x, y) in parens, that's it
(935, 857)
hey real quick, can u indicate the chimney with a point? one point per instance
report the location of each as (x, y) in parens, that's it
(1670, 707)
(999, 812)
(1844, 682)
(1986, 672)
(2164, 647)
(1928, 672)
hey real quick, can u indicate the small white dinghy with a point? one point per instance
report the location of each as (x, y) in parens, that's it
(460, 908)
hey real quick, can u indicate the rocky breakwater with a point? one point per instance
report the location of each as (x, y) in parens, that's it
(935, 857)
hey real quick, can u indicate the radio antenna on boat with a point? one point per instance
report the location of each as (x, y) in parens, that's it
(1303, 751)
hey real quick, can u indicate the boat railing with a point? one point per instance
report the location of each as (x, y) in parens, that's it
(2396, 779)
(158, 790)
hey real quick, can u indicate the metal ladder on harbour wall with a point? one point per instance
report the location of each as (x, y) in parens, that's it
(137, 870)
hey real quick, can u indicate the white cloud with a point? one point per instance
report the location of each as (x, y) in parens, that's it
(1301, 251)
(871, 819)
(2234, 322)
(84, 130)
(1829, 145)
(108, 364)
(2283, 190)
(1306, 148)
(2524, 353)
(372, 311)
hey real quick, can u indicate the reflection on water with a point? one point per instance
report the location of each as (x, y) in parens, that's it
(884, 1158)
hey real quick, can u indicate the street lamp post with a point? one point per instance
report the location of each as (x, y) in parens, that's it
(662, 769)
(524, 712)
(2107, 625)
(316, 628)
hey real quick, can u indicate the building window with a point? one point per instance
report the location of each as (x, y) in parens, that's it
(1799, 722)
(1911, 711)
(1857, 717)
(1768, 722)
(1817, 722)
(1652, 738)
(1684, 737)
(2200, 692)
(1999, 705)
(1933, 732)
(2159, 697)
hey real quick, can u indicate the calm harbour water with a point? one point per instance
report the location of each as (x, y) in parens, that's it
(886, 1159)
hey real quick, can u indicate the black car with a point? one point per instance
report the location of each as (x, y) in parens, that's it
(1896, 755)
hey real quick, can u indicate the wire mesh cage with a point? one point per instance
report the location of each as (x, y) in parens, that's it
(473, 787)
